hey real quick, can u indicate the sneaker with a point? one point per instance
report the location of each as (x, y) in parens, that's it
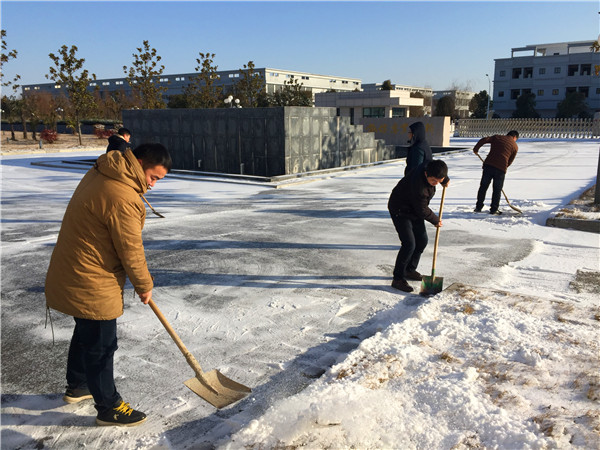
(402, 285)
(75, 395)
(122, 415)
(414, 275)
(477, 209)
(495, 212)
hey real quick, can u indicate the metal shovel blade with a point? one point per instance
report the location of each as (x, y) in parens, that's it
(431, 285)
(224, 390)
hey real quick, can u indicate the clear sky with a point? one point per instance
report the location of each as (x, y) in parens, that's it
(417, 43)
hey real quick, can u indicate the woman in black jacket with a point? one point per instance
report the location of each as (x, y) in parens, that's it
(409, 208)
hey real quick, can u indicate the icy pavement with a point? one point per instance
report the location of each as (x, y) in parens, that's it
(275, 286)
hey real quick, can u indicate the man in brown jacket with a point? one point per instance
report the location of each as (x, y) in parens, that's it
(98, 246)
(503, 150)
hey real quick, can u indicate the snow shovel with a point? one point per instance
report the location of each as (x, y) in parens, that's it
(153, 210)
(509, 204)
(213, 386)
(433, 285)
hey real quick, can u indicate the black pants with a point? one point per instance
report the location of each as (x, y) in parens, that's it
(413, 237)
(90, 361)
(497, 176)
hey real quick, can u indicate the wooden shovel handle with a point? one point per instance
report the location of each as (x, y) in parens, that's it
(437, 232)
(188, 356)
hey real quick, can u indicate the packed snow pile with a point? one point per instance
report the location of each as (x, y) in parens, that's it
(470, 368)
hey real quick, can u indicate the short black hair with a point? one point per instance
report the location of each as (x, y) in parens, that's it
(153, 154)
(513, 133)
(437, 168)
(124, 131)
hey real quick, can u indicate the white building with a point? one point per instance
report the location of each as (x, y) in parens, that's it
(369, 104)
(549, 71)
(274, 79)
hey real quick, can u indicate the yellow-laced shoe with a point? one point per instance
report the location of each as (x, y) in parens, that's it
(121, 415)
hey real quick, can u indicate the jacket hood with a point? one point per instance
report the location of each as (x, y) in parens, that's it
(115, 138)
(418, 131)
(123, 167)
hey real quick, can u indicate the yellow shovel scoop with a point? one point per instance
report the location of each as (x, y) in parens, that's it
(433, 285)
(213, 386)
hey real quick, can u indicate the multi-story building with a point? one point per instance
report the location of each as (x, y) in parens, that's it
(462, 99)
(274, 80)
(369, 104)
(550, 71)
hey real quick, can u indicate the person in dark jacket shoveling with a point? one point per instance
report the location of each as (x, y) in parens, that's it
(409, 208)
(119, 141)
(419, 151)
(98, 246)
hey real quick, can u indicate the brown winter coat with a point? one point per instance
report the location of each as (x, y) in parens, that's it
(503, 150)
(100, 241)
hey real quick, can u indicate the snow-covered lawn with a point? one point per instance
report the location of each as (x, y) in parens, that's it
(287, 291)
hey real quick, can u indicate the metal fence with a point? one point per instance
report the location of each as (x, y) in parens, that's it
(530, 128)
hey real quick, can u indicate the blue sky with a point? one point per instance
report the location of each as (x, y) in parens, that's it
(424, 43)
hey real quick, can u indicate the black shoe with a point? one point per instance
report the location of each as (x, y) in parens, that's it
(75, 395)
(402, 285)
(121, 415)
(414, 275)
(495, 212)
(477, 209)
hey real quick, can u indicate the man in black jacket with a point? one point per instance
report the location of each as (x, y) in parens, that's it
(409, 207)
(119, 141)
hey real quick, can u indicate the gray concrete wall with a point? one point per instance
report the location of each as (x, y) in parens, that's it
(256, 141)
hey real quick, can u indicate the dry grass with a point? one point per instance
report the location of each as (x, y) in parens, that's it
(65, 142)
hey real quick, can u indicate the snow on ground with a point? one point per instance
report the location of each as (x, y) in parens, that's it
(287, 291)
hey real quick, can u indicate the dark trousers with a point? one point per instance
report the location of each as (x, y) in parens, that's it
(90, 361)
(497, 176)
(413, 239)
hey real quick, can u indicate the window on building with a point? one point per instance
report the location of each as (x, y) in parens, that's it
(528, 72)
(514, 94)
(118, 82)
(597, 91)
(542, 70)
(57, 86)
(586, 69)
(344, 82)
(572, 70)
(502, 73)
(540, 92)
(305, 77)
(525, 91)
(398, 112)
(333, 81)
(570, 90)
(585, 90)
(26, 89)
(93, 84)
(106, 83)
(557, 70)
(501, 94)
(374, 112)
(516, 72)
(554, 91)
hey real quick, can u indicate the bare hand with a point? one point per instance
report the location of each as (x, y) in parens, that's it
(439, 225)
(146, 297)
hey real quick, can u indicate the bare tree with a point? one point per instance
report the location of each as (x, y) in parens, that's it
(69, 73)
(203, 91)
(143, 77)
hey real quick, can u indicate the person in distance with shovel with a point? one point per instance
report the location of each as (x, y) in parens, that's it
(98, 246)
(409, 208)
(503, 150)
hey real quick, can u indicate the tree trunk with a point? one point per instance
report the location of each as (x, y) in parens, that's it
(33, 134)
(24, 122)
(12, 132)
(79, 132)
(597, 193)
